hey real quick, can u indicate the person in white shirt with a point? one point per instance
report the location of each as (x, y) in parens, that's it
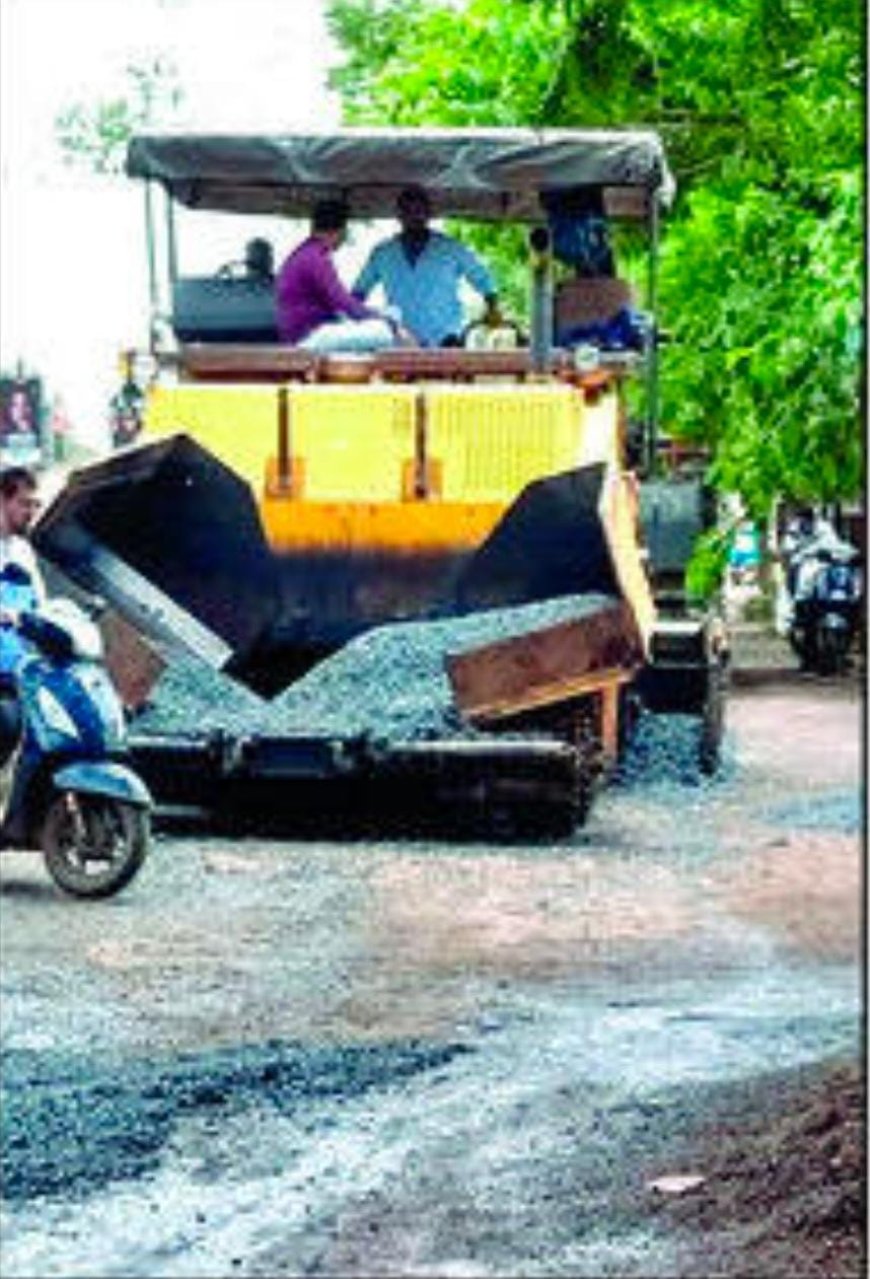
(420, 271)
(21, 588)
(19, 503)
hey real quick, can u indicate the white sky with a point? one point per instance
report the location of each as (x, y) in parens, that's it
(72, 246)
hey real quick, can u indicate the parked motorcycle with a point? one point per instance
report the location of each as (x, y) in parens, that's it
(826, 588)
(71, 793)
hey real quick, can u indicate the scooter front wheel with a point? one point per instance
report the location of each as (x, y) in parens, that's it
(832, 649)
(93, 844)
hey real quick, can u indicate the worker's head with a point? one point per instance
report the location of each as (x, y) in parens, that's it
(18, 501)
(329, 221)
(259, 259)
(413, 208)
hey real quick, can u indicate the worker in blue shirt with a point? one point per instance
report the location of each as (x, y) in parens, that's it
(420, 271)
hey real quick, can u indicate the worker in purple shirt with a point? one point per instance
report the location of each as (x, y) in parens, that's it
(314, 309)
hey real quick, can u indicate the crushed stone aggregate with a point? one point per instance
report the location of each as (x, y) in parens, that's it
(389, 683)
(70, 1124)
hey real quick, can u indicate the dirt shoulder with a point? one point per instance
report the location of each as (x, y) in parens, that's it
(784, 1181)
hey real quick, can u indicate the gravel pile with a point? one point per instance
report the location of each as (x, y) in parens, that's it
(191, 699)
(389, 684)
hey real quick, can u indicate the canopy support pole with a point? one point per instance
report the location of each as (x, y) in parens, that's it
(171, 242)
(652, 378)
(153, 298)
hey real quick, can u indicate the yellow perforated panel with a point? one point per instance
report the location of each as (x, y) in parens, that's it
(492, 440)
(239, 424)
(353, 441)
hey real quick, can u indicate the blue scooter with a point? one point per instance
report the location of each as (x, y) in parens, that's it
(72, 794)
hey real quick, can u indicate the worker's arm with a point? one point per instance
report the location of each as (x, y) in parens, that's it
(477, 275)
(336, 297)
(368, 278)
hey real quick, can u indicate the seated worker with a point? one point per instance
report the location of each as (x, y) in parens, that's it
(580, 232)
(258, 264)
(420, 271)
(259, 260)
(314, 309)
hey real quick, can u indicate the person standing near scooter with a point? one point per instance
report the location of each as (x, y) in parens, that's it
(19, 503)
(72, 792)
(21, 589)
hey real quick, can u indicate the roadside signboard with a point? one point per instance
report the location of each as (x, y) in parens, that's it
(20, 421)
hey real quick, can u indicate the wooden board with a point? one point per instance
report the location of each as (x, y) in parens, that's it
(547, 666)
(133, 663)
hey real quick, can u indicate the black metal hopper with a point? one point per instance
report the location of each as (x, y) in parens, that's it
(172, 538)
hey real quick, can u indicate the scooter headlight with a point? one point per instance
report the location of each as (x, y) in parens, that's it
(54, 714)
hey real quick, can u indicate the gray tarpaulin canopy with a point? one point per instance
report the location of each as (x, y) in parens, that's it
(490, 174)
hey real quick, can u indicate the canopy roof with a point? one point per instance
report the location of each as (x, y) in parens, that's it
(488, 174)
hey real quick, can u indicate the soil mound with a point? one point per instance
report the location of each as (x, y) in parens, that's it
(783, 1195)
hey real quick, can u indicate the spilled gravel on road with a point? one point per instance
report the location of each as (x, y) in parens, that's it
(72, 1124)
(663, 752)
(424, 1059)
(419, 1158)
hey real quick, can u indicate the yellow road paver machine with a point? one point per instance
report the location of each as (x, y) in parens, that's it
(281, 504)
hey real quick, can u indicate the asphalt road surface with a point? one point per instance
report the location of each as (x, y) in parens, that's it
(311, 1057)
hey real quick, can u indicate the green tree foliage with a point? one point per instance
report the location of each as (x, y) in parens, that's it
(413, 63)
(760, 105)
(96, 135)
